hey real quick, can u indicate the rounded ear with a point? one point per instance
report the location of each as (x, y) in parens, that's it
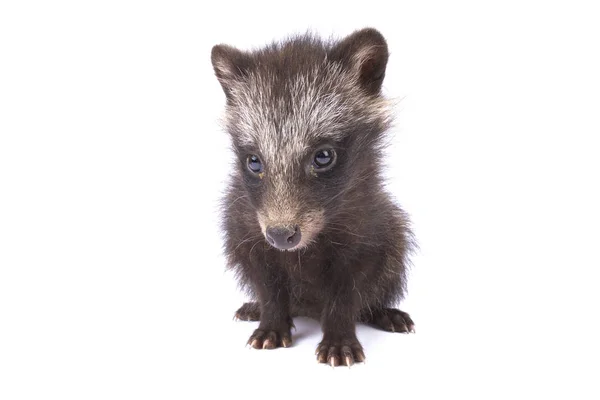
(365, 52)
(230, 65)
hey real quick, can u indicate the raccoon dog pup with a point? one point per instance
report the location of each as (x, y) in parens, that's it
(309, 229)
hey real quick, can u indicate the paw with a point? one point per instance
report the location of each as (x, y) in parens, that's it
(270, 339)
(248, 312)
(393, 320)
(345, 351)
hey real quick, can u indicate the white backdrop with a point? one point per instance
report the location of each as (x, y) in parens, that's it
(112, 284)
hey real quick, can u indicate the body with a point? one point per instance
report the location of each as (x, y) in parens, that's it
(309, 229)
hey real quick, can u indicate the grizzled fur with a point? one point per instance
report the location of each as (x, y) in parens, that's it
(284, 103)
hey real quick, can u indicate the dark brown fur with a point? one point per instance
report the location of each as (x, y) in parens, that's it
(355, 268)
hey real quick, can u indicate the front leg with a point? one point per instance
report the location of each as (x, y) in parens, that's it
(340, 345)
(275, 325)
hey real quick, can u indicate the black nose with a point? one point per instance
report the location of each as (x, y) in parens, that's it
(283, 237)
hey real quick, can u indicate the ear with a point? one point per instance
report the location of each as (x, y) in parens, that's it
(230, 65)
(365, 52)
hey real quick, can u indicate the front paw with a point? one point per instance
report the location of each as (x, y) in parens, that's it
(270, 338)
(345, 350)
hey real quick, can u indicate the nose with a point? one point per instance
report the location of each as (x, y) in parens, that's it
(283, 237)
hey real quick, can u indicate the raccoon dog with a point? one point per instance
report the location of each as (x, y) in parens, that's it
(309, 229)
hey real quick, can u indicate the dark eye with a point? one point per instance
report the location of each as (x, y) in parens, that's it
(324, 158)
(254, 164)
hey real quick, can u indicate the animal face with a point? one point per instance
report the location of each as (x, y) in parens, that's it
(305, 119)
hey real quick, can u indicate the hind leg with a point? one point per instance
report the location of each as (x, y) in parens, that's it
(391, 320)
(248, 312)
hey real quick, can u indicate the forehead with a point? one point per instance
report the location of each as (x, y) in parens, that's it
(286, 108)
(278, 112)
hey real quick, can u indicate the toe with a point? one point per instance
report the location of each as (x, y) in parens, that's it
(334, 356)
(359, 354)
(347, 356)
(286, 340)
(322, 355)
(270, 341)
(402, 322)
(346, 352)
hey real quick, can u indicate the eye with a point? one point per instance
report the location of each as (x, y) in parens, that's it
(324, 158)
(254, 164)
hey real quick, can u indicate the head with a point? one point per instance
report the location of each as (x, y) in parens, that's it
(305, 118)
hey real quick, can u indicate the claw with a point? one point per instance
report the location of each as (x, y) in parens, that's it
(333, 361)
